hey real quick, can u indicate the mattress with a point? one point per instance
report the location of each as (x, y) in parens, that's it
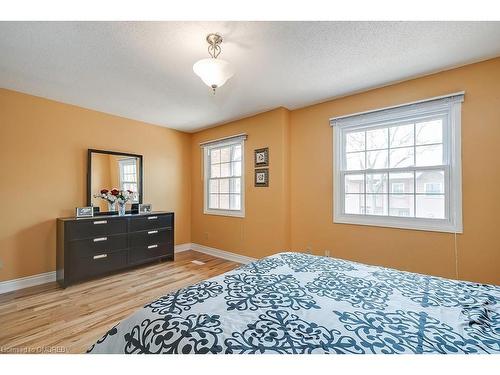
(297, 303)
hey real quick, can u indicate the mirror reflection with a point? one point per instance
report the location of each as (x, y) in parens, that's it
(108, 172)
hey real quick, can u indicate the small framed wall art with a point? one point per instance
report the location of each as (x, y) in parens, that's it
(85, 211)
(262, 177)
(262, 157)
(145, 208)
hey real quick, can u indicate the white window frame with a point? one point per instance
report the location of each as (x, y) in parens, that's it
(450, 107)
(207, 146)
(432, 183)
(121, 164)
(398, 184)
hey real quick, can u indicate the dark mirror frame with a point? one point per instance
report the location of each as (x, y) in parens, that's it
(89, 171)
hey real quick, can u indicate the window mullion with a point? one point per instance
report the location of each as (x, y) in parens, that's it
(231, 167)
(366, 153)
(364, 187)
(414, 172)
(388, 173)
(209, 173)
(364, 195)
(447, 195)
(414, 193)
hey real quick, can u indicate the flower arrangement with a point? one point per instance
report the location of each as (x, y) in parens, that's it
(123, 196)
(114, 196)
(108, 196)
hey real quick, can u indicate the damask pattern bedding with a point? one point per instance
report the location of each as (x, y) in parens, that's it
(300, 303)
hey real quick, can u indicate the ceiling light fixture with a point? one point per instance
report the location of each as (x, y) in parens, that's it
(213, 71)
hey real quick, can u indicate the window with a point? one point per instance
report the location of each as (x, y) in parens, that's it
(223, 177)
(397, 187)
(433, 187)
(128, 176)
(400, 167)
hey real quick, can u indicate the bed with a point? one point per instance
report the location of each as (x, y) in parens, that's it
(301, 303)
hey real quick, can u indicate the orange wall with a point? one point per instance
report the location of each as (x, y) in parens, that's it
(426, 252)
(310, 189)
(265, 228)
(43, 149)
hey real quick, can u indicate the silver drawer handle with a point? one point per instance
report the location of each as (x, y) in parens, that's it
(152, 246)
(152, 217)
(100, 256)
(100, 239)
(101, 222)
(152, 232)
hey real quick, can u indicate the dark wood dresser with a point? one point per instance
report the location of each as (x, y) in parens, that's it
(97, 246)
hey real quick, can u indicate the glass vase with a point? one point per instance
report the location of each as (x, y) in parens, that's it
(121, 209)
(111, 206)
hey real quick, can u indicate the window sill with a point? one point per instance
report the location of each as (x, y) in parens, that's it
(228, 213)
(430, 225)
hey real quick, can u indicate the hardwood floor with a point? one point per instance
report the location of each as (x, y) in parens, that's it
(49, 319)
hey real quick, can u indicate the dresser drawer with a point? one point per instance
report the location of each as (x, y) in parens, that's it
(96, 228)
(150, 222)
(98, 264)
(96, 245)
(151, 237)
(143, 253)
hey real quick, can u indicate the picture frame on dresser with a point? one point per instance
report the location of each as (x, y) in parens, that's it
(84, 211)
(145, 208)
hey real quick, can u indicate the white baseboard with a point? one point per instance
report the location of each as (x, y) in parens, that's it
(214, 252)
(222, 254)
(48, 277)
(182, 247)
(26, 282)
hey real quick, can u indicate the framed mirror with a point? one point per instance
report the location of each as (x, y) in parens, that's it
(113, 170)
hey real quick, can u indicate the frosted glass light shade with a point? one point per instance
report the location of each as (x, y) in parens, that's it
(213, 72)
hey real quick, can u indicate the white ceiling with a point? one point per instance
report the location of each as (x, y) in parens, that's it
(143, 70)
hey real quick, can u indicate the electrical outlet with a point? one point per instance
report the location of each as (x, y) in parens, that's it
(327, 253)
(206, 235)
(1, 264)
(308, 250)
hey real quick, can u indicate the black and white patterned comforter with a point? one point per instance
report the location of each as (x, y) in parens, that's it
(300, 303)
